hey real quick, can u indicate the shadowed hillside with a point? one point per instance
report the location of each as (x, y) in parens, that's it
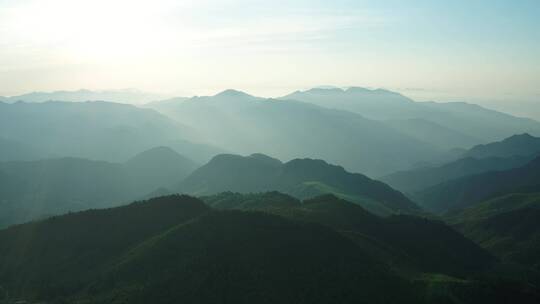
(175, 248)
(302, 178)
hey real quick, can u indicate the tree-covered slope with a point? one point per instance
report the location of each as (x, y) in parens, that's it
(240, 257)
(466, 191)
(428, 245)
(506, 225)
(147, 252)
(61, 255)
(177, 249)
(258, 173)
(418, 179)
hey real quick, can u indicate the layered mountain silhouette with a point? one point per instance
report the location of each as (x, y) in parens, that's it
(512, 152)
(175, 248)
(120, 96)
(301, 178)
(35, 189)
(313, 228)
(433, 133)
(95, 130)
(466, 191)
(418, 179)
(242, 123)
(516, 145)
(469, 120)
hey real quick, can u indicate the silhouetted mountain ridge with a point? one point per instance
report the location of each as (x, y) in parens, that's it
(287, 129)
(258, 173)
(516, 145)
(55, 186)
(469, 119)
(463, 192)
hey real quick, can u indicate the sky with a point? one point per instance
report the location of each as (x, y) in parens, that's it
(482, 51)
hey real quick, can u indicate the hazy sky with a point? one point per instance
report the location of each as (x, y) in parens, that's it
(481, 51)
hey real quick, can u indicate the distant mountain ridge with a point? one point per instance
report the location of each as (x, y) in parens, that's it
(120, 96)
(468, 119)
(36, 189)
(96, 130)
(242, 124)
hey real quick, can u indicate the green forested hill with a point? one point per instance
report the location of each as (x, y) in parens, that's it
(466, 191)
(301, 178)
(419, 179)
(177, 249)
(507, 225)
(428, 245)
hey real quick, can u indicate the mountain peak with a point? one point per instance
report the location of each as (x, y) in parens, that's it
(232, 93)
(520, 137)
(322, 90)
(361, 90)
(160, 154)
(159, 150)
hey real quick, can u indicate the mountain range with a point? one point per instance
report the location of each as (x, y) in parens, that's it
(512, 152)
(94, 130)
(375, 132)
(471, 121)
(367, 197)
(36, 189)
(246, 124)
(120, 96)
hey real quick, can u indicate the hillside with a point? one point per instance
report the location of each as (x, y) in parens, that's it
(516, 145)
(175, 248)
(257, 173)
(433, 133)
(466, 191)
(506, 225)
(74, 248)
(418, 179)
(419, 243)
(245, 124)
(36, 189)
(234, 255)
(512, 152)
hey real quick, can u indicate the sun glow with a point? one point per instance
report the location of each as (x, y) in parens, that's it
(90, 31)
